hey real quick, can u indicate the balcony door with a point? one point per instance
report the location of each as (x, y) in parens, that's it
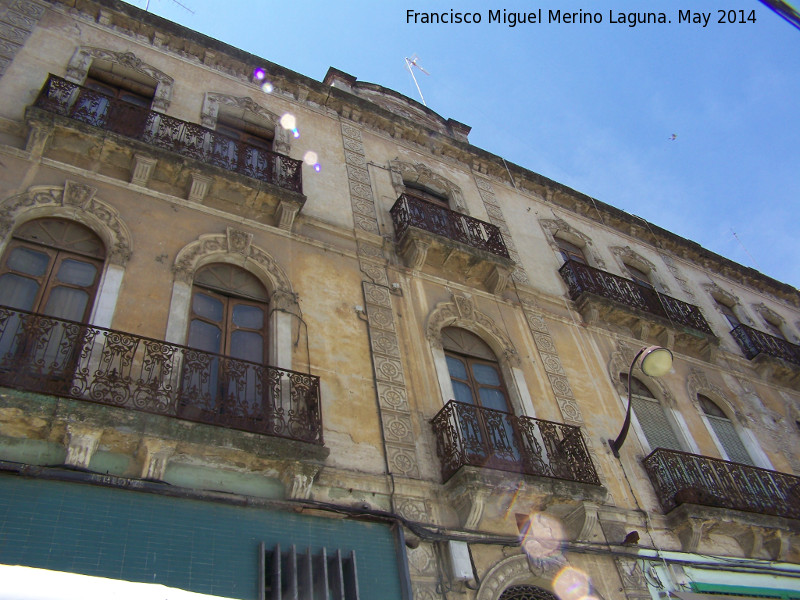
(653, 420)
(51, 267)
(246, 145)
(485, 416)
(228, 324)
(725, 431)
(116, 98)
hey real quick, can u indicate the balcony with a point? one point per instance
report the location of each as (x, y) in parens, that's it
(679, 477)
(650, 315)
(469, 435)
(152, 131)
(774, 357)
(444, 240)
(74, 360)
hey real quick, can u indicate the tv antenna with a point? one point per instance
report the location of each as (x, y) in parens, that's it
(147, 6)
(414, 62)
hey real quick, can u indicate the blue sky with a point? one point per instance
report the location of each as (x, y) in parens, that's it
(590, 105)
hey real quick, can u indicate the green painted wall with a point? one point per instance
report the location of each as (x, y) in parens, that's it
(190, 544)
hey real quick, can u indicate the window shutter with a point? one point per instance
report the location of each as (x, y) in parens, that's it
(726, 433)
(653, 421)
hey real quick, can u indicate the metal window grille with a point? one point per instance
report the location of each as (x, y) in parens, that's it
(292, 575)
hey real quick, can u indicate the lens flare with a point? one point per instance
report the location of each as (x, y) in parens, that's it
(289, 122)
(542, 536)
(317, 167)
(571, 584)
(310, 157)
(267, 87)
(296, 132)
(259, 74)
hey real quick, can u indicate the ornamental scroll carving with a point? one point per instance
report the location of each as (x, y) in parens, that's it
(76, 202)
(404, 172)
(461, 312)
(234, 247)
(518, 570)
(214, 100)
(698, 383)
(627, 256)
(82, 58)
(560, 228)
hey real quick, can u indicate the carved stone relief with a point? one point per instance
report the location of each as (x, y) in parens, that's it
(74, 201)
(17, 21)
(405, 172)
(627, 256)
(78, 69)
(461, 312)
(554, 228)
(517, 570)
(676, 273)
(698, 383)
(398, 433)
(769, 315)
(495, 213)
(634, 583)
(210, 111)
(723, 296)
(234, 246)
(545, 345)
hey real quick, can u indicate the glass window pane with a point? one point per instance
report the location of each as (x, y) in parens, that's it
(462, 392)
(456, 367)
(208, 307)
(76, 272)
(493, 399)
(248, 316)
(486, 374)
(66, 303)
(205, 336)
(247, 345)
(18, 292)
(28, 261)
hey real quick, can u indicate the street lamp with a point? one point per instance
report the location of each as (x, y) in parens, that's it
(654, 361)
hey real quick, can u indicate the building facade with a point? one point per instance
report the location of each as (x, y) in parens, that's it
(263, 336)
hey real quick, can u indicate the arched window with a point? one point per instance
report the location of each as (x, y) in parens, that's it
(52, 266)
(229, 313)
(474, 371)
(570, 251)
(229, 382)
(118, 97)
(639, 276)
(729, 313)
(485, 415)
(725, 431)
(256, 135)
(428, 194)
(651, 416)
(525, 592)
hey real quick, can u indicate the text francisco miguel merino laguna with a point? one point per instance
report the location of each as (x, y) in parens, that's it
(631, 19)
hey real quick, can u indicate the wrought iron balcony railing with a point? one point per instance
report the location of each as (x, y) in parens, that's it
(754, 342)
(581, 278)
(73, 360)
(481, 437)
(679, 477)
(410, 211)
(187, 139)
